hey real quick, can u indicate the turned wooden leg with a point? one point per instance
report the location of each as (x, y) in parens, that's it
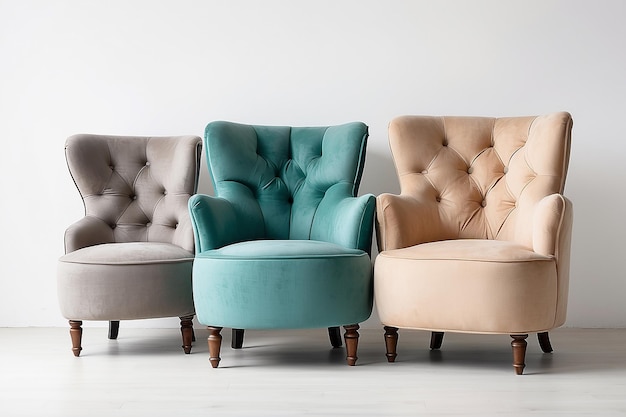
(544, 342)
(334, 334)
(114, 329)
(519, 352)
(215, 343)
(391, 342)
(352, 342)
(186, 330)
(436, 339)
(236, 341)
(76, 333)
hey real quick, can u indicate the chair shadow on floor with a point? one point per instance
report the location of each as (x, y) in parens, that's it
(593, 350)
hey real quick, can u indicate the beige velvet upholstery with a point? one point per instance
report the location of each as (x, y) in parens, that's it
(479, 238)
(132, 254)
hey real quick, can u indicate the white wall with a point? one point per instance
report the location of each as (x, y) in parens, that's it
(159, 68)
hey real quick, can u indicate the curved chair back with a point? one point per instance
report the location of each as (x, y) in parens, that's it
(128, 189)
(479, 177)
(280, 180)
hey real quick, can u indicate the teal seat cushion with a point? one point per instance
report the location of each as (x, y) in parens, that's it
(268, 284)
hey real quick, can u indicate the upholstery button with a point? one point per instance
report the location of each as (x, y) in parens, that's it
(438, 198)
(425, 172)
(113, 226)
(470, 170)
(445, 142)
(164, 192)
(147, 163)
(134, 197)
(112, 167)
(483, 203)
(148, 224)
(505, 170)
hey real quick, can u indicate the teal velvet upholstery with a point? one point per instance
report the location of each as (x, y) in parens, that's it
(285, 241)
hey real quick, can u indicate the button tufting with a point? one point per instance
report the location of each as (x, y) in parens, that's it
(134, 197)
(148, 224)
(438, 198)
(445, 142)
(164, 192)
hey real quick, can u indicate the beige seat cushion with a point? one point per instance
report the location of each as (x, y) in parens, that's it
(469, 285)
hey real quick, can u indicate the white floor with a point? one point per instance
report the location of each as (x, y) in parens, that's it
(290, 373)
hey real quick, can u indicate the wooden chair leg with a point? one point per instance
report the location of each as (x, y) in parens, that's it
(436, 339)
(391, 342)
(519, 352)
(114, 329)
(76, 333)
(544, 342)
(236, 341)
(352, 342)
(186, 330)
(334, 333)
(215, 343)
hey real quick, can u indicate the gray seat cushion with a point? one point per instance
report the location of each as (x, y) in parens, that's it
(121, 281)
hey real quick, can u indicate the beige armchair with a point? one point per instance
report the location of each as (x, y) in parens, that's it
(478, 241)
(131, 256)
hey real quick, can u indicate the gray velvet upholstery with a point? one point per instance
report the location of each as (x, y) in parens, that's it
(131, 255)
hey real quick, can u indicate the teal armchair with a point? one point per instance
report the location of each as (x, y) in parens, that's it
(285, 242)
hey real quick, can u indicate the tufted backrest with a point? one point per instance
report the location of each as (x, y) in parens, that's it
(478, 177)
(276, 177)
(136, 188)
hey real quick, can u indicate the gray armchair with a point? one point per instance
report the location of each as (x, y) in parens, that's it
(131, 256)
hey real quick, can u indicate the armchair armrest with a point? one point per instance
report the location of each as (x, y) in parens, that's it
(552, 220)
(552, 236)
(87, 231)
(403, 221)
(215, 222)
(346, 221)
